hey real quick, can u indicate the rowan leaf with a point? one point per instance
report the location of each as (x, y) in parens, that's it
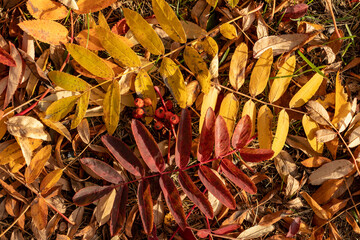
(318, 113)
(148, 148)
(332, 170)
(184, 139)
(256, 232)
(222, 138)
(228, 31)
(261, 72)
(37, 164)
(250, 110)
(195, 194)
(173, 201)
(144, 87)
(325, 135)
(143, 32)
(26, 126)
(50, 180)
(242, 132)
(90, 61)
(102, 170)
(229, 110)
(209, 101)
(198, 66)
(60, 108)
(306, 92)
(89, 6)
(46, 9)
(6, 58)
(282, 79)
(118, 213)
(174, 80)
(281, 132)
(112, 106)
(117, 48)
(11, 153)
(318, 210)
(342, 106)
(264, 127)
(255, 155)
(68, 82)
(80, 110)
(146, 206)
(45, 31)
(39, 212)
(216, 186)
(238, 65)
(207, 137)
(88, 195)
(310, 128)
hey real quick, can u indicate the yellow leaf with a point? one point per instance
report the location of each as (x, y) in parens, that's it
(238, 65)
(250, 109)
(198, 66)
(57, 126)
(233, 3)
(60, 108)
(174, 80)
(306, 92)
(228, 31)
(45, 31)
(212, 3)
(88, 38)
(46, 9)
(209, 100)
(281, 132)
(342, 106)
(91, 6)
(228, 110)
(37, 164)
(261, 72)
(168, 20)
(90, 61)
(111, 106)
(28, 145)
(3, 126)
(210, 46)
(143, 32)
(282, 79)
(318, 210)
(117, 48)
(50, 180)
(192, 92)
(80, 110)
(310, 128)
(102, 21)
(145, 88)
(264, 120)
(68, 82)
(11, 153)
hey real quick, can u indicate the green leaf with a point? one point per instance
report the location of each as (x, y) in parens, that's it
(60, 108)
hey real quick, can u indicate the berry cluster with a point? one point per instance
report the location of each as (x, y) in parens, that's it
(162, 114)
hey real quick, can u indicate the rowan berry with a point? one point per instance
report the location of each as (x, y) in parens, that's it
(139, 102)
(174, 119)
(160, 112)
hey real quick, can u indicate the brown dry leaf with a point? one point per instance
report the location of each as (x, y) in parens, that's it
(256, 232)
(192, 92)
(39, 213)
(70, 4)
(302, 144)
(332, 170)
(3, 121)
(292, 186)
(77, 217)
(27, 145)
(279, 44)
(50, 180)
(84, 131)
(46, 9)
(87, 38)
(248, 19)
(285, 165)
(37, 163)
(45, 31)
(90, 6)
(103, 209)
(318, 113)
(25, 126)
(192, 30)
(350, 219)
(237, 66)
(130, 220)
(318, 210)
(272, 218)
(325, 135)
(334, 231)
(315, 161)
(331, 189)
(10, 152)
(354, 138)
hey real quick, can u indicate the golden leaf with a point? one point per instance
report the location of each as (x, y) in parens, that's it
(281, 132)
(261, 72)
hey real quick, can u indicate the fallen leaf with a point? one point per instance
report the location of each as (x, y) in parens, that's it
(310, 129)
(229, 110)
(281, 132)
(46, 9)
(237, 66)
(256, 232)
(261, 72)
(111, 106)
(332, 170)
(25, 126)
(264, 127)
(250, 110)
(228, 31)
(318, 210)
(325, 135)
(89, 6)
(318, 113)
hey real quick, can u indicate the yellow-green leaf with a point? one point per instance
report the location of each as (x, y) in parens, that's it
(228, 31)
(306, 92)
(91, 6)
(60, 108)
(282, 79)
(111, 106)
(50, 180)
(250, 109)
(117, 48)
(310, 128)
(237, 66)
(233, 3)
(264, 120)
(261, 72)
(228, 110)
(212, 3)
(342, 106)
(209, 100)
(168, 20)
(80, 110)
(45, 31)
(281, 132)
(102, 21)
(174, 80)
(90, 61)
(198, 66)
(210, 46)
(68, 82)
(37, 164)
(143, 32)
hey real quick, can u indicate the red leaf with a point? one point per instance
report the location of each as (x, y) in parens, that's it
(207, 137)
(195, 194)
(187, 234)
(173, 201)
(255, 155)
(88, 195)
(216, 186)
(148, 148)
(118, 212)
(120, 27)
(222, 139)
(146, 206)
(242, 132)
(123, 155)
(294, 227)
(227, 229)
(103, 170)
(6, 59)
(183, 142)
(237, 176)
(296, 11)
(203, 233)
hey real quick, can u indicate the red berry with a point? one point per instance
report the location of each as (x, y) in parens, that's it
(160, 112)
(174, 119)
(158, 125)
(139, 102)
(169, 104)
(168, 115)
(138, 113)
(147, 102)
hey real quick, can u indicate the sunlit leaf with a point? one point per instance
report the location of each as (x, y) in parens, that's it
(229, 110)
(80, 110)
(50, 180)
(264, 127)
(111, 106)
(46, 9)
(60, 108)
(237, 66)
(228, 30)
(242, 132)
(261, 72)
(37, 164)
(310, 128)
(90, 6)
(67, 81)
(102, 170)
(222, 138)
(87, 195)
(281, 132)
